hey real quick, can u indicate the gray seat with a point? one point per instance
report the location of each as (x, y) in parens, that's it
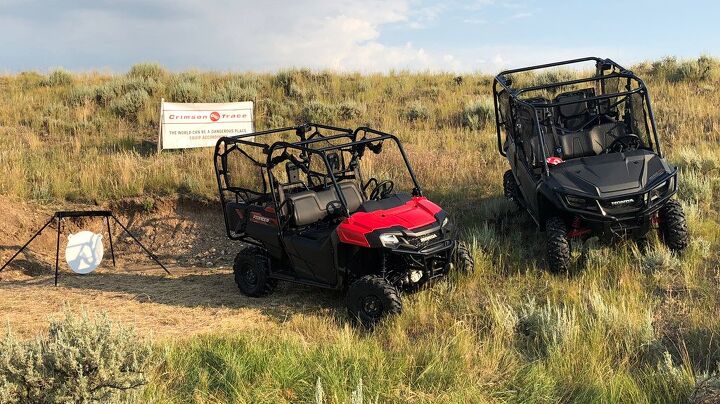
(573, 116)
(590, 142)
(309, 206)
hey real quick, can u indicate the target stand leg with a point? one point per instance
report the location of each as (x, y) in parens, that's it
(57, 252)
(112, 251)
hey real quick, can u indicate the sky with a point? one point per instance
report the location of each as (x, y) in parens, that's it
(345, 35)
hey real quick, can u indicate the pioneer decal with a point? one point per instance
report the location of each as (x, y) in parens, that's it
(622, 202)
(427, 238)
(256, 217)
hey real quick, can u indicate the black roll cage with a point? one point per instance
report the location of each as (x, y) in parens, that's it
(601, 64)
(276, 153)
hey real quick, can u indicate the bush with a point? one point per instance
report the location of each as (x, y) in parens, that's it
(350, 110)
(703, 68)
(147, 71)
(233, 92)
(417, 112)
(79, 360)
(185, 91)
(30, 80)
(129, 104)
(58, 77)
(80, 95)
(109, 91)
(478, 113)
(318, 112)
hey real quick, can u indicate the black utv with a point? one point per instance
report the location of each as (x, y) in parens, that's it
(298, 198)
(585, 155)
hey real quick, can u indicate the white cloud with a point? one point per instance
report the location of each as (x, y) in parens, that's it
(217, 34)
(343, 35)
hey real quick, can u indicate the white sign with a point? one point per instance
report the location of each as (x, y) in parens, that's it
(202, 124)
(84, 251)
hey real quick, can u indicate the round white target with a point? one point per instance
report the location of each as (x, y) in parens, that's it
(84, 251)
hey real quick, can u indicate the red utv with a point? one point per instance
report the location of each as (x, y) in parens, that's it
(297, 197)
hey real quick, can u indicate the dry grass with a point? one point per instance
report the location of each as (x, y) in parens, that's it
(629, 325)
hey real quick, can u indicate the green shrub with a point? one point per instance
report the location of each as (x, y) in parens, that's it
(59, 77)
(233, 92)
(79, 360)
(416, 111)
(478, 113)
(673, 70)
(185, 91)
(30, 80)
(128, 105)
(109, 91)
(350, 110)
(80, 95)
(147, 71)
(318, 112)
(292, 82)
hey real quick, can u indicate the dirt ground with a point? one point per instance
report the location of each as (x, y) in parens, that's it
(187, 236)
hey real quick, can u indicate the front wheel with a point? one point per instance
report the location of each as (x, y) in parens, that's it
(462, 259)
(371, 298)
(673, 226)
(558, 246)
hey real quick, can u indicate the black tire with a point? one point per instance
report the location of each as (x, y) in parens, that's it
(511, 189)
(558, 246)
(370, 299)
(251, 271)
(462, 259)
(673, 226)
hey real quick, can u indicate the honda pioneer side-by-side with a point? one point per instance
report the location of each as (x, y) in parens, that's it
(585, 155)
(297, 198)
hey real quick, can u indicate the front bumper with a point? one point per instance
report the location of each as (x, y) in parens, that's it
(630, 214)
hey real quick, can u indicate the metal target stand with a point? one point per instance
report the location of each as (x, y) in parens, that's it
(58, 216)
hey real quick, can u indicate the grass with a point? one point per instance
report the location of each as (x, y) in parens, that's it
(629, 325)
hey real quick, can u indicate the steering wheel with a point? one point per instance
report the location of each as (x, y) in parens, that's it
(625, 143)
(382, 190)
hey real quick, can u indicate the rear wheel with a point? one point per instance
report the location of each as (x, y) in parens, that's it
(558, 246)
(462, 259)
(252, 270)
(371, 298)
(511, 188)
(673, 227)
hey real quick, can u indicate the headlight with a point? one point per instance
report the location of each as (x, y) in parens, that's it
(445, 222)
(659, 191)
(389, 240)
(576, 201)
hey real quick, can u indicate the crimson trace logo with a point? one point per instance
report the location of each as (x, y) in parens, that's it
(214, 116)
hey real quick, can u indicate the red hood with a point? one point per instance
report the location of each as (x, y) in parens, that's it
(417, 212)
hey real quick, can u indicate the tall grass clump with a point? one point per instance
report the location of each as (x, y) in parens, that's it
(319, 112)
(673, 70)
(81, 359)
(416, 111)
(128, 105)
(478, 113)
(80, 95)
(59, 77)
(147, 71)
(186, 91)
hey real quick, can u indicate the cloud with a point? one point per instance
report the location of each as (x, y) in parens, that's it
(518, 16)
(214, 34)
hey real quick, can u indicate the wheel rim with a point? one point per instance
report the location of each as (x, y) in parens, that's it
(250, 276)
(372, 306)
